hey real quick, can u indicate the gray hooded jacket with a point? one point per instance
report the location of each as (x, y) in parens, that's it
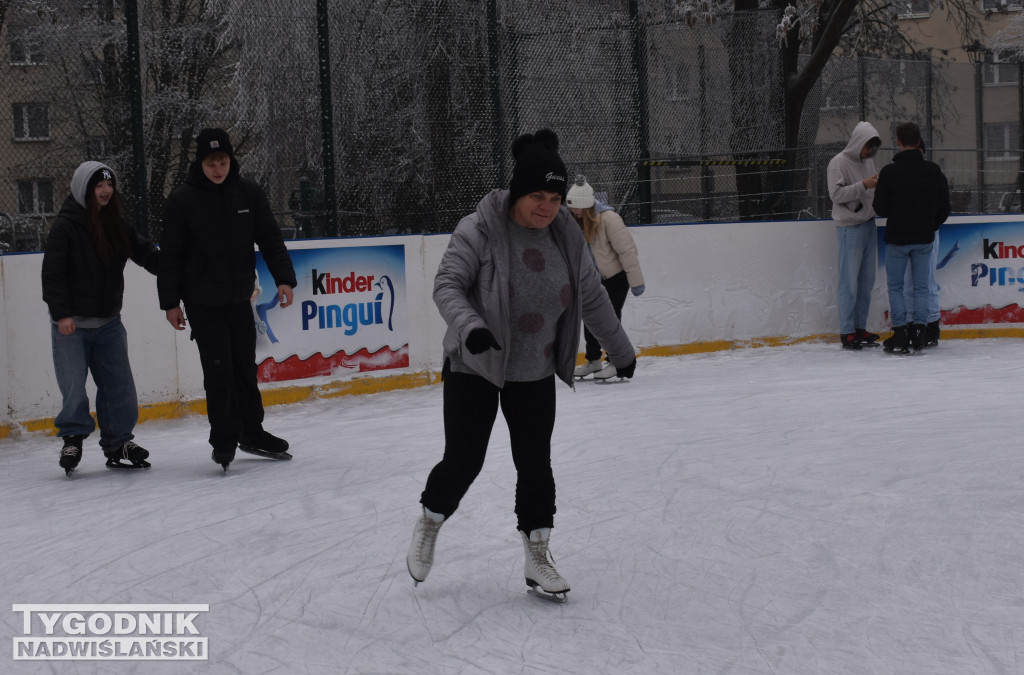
(471, 290)
(851, 201)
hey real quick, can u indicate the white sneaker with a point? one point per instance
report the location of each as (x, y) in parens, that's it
(607, 373)
(540, 566)
(586, 369)
(421, 551)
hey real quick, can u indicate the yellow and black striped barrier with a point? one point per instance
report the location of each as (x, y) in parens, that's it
(711, 162)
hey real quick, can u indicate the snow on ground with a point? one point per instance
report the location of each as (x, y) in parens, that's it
(789, 510)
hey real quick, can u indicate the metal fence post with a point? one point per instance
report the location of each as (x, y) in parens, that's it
(1020, 134)
(494, 82)
(140, 184)
(327, 116)
(639, 35)
(979, 132)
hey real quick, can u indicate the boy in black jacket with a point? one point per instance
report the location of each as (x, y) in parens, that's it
(913, 195)
(211, 224)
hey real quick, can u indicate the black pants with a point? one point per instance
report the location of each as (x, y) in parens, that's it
(470, 408)
(617, 286)
(226, 337)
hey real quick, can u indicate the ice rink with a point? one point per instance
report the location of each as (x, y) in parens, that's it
(793, 510)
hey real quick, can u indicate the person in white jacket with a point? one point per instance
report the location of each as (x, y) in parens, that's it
(851, 186)
(513, 286)
(616, 257)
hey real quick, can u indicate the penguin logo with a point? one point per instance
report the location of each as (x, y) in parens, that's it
(380, 296)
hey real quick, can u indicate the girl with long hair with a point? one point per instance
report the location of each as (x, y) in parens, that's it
(616, 257)
(83, 286)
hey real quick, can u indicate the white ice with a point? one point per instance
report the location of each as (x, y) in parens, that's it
(781, 510)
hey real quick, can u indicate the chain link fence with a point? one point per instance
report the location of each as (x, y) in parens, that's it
(374, 117)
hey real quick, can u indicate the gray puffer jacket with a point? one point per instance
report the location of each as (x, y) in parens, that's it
(471, 290)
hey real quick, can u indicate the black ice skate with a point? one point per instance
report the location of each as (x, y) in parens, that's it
(130, 455)
(264, 444)
(867, 338)
(899, 343)
(71, 454)
(223, 456)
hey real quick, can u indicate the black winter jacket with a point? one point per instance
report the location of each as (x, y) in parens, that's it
(75, 281)
(206, 249)
(914, 195)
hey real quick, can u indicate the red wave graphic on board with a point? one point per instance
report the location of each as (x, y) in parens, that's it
(294, 368)
(980, 315)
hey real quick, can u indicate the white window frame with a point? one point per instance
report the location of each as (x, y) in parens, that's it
(21, 117)
(1008, 147)
(993, 69)
(906, 9)
(1000, 5)
(37, 205)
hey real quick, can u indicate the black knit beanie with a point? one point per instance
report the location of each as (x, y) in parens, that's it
(537, 165)
(103, 173)
(213, 140)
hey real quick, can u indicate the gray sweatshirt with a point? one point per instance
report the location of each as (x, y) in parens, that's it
(851, 201)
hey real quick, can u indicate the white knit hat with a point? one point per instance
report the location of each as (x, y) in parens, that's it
(580, 195)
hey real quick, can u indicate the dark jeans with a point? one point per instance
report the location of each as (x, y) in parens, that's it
(226, 337)
(470, 408)
(617, 287)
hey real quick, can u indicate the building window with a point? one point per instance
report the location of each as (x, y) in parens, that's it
(1002, 140)
(35, 196)
(1000, 68)
(907, 9)
(31, 121)
(1000, 5)
(23, 50)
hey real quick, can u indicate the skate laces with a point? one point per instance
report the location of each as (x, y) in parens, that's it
(69, 450)
(542, 560)
(427, 540)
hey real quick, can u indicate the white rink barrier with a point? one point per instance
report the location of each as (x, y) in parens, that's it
(709, 286)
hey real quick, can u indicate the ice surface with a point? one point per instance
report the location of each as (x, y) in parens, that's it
(786, 510)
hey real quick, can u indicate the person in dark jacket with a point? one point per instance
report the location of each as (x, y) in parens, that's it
(513, 286)
(913, 195)
(208, 262)
(83, 286)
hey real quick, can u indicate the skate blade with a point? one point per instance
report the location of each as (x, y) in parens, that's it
(611, 380)
(281, 456)
(557, 598)
(112, 464)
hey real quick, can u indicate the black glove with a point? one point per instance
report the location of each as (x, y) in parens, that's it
(628, 371)
(480, 340)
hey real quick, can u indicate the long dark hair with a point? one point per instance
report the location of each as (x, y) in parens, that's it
(108, 226)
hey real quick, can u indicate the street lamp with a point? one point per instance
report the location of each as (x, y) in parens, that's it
(976, 52)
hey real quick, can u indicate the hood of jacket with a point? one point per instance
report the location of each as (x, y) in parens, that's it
(862, 133)
(80, 179)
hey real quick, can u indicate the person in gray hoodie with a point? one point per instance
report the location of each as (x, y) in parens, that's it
(513, 287)
(83, 286)
(851, 185)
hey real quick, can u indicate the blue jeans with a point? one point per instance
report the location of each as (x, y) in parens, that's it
(102, 351)
(919, 257)
(858, 260)
(934, 310)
